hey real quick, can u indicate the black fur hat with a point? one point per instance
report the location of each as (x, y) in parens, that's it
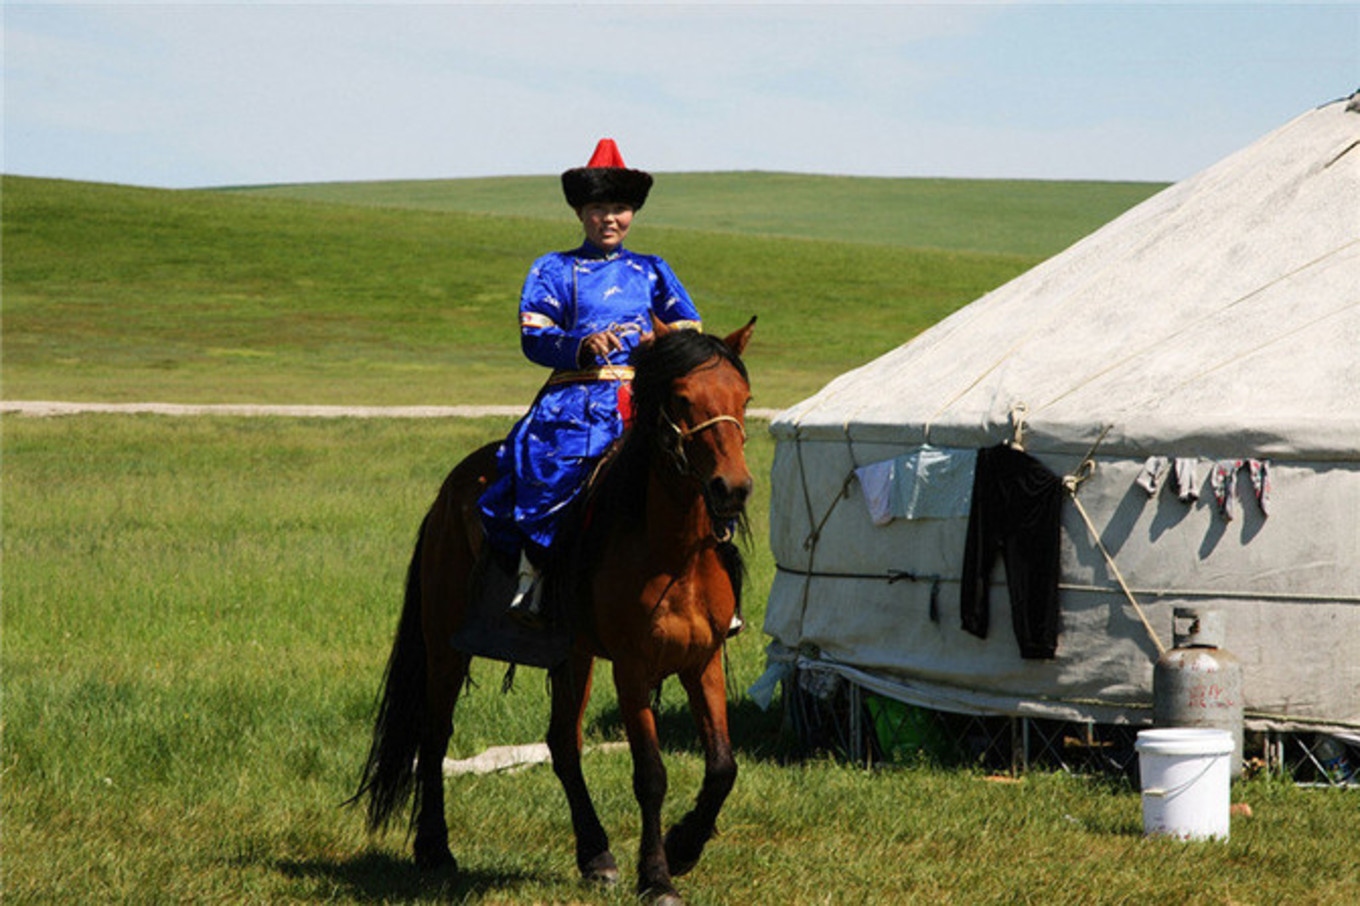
(606, 178)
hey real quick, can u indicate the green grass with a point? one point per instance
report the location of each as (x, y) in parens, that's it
(197, 612)
(114, 293)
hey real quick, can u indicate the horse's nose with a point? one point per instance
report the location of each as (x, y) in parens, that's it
(731, 495)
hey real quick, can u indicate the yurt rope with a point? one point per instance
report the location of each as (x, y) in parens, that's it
(816, 525)
(810, 542)
(811, 538)
(1072, 483)
(1221, 593)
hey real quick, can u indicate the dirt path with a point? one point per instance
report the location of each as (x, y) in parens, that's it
(46, 408)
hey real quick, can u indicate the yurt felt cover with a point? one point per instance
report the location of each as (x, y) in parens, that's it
(1217, 321)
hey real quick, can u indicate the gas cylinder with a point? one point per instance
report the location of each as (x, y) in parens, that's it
(1198, 683)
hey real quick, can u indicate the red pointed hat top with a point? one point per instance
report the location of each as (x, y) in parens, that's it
(606, 178)
(606, 155)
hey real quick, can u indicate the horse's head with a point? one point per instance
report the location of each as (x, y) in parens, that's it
(692, 390)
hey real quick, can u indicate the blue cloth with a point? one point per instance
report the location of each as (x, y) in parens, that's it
(927, 483)
(549, 453)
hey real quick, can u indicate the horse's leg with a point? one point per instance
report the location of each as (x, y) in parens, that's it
(570, 692)
(444, 680)
(708, 703)
(649, 783)
(451, 543)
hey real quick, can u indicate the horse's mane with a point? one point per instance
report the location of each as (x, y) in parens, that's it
(617, 495)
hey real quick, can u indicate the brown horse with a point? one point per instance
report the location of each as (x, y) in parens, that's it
(649, 579)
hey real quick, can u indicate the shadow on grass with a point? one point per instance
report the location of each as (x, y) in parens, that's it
(383, 878)
(756, 735)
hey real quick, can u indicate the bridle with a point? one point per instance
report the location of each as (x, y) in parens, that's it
(672, 439)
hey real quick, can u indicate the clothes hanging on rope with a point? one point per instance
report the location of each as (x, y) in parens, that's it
(1154, 471)
(1186, 469)
(1182, 470)
(1016, 515)
(1223, 481)
(927, 483)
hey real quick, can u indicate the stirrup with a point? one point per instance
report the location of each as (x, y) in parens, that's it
(526, 607)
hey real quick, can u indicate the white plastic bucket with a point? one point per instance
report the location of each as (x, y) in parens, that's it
(1186, 781)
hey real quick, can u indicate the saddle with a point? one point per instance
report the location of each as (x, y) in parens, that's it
(490, 631)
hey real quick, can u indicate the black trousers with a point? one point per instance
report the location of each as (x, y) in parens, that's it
(1016, 514)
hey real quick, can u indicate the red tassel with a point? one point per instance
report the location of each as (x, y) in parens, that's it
(626, 403)
(606, 155)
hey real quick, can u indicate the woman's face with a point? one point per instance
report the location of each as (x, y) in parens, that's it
(606, 223)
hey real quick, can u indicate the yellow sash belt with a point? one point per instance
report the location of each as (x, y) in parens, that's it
(605, 373)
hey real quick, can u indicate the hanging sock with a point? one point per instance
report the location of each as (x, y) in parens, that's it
(1186, 470)
(1260, 482)
(1223, 481)
(1154, 471)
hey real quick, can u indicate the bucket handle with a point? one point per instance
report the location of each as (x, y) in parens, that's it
(1162, 794)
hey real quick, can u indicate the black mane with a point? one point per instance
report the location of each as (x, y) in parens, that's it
(659, 366)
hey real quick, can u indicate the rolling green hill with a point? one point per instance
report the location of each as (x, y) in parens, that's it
(994, 216)
(406, 293)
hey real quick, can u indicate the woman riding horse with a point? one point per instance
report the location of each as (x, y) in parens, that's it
(582, 313)
(645, 568)
(651, 582)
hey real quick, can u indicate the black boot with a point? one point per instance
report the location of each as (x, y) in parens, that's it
(737, 624)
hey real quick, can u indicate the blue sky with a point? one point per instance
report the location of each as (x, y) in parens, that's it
(183, 95)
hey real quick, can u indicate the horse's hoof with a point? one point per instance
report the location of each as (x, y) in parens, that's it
(605, 876)
(435, 857)
(661, 897)
(601, 870)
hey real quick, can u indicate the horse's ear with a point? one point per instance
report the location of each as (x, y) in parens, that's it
(660, 328)
(737, 340)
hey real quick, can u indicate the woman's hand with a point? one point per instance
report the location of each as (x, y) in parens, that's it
(597, 347)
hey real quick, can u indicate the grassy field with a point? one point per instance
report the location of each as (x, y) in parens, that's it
(123, 294)
(197, 611)
(196, 617)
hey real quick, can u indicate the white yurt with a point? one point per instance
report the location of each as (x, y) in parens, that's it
(1000, 516)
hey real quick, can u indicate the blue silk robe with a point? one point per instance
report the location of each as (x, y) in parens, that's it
(549, 453)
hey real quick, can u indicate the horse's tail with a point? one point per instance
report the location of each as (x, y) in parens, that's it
(389, 773)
